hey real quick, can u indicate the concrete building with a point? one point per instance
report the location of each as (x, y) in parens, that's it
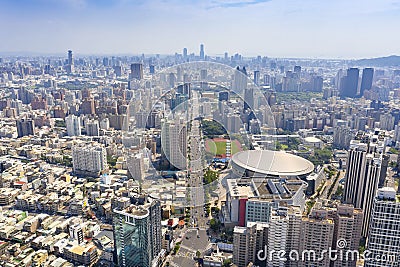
(76, 232)
(92, 128)
(85, 254)
(89, 159)
(136, 166)
(384, 236)
(174, 143)
(253, 200)
(342, 135)
(366, 170)
(348, 225)
(244, 244)
(316, 235)
(73, 124)
(25, 127)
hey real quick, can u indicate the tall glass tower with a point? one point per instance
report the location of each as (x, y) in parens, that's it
(137, 233)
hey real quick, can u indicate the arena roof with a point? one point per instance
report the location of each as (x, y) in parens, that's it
(268, 162)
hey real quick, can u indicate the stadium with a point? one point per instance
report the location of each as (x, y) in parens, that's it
(268, 163)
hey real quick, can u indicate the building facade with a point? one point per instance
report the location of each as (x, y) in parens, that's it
(137, 234)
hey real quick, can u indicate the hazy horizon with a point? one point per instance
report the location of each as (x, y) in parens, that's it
(277, 29)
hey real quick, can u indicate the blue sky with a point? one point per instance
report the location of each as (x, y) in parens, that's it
(275, 28)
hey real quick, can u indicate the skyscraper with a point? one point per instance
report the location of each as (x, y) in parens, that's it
(202, 52)
(240, 79)
(366, 80)
(297, 71)
(256, 78)
(137, 232)
(152, 69)
(185, 53)
(136, 71)
(364, 170)
(349, 83)
(70, 63)
(70, 58)
(384, 235)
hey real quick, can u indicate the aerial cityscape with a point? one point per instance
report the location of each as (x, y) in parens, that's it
(152, 150)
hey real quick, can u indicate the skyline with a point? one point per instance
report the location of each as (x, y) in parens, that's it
(289, 29)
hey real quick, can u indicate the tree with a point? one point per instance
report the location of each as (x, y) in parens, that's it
(215, 209)
(293, 143)
(212, 128)
(215, 224)
(227, 263)
(210, 176)
(177, 247)
(321, 156)
(278, 146)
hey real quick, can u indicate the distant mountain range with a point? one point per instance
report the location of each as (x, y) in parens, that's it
(380, 61)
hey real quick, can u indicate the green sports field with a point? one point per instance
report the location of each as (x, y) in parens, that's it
(217, 146)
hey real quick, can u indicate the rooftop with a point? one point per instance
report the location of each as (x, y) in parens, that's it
(270, 162)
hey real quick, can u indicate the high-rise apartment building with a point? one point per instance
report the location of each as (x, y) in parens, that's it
(294, 219)
(316, 235)
(261, 242)
(240, 79)
(244, 244)
(136, 166)
(25, 127)
(277, 238)
(174, 143)
(73, 124)
(342, 136)
(365, 171)
(384, 236)
(137, 233)
(92, 128)
(89, 159)
(348, 225)
(88, 106)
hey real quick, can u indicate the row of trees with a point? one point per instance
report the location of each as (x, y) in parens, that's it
(212, 128)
